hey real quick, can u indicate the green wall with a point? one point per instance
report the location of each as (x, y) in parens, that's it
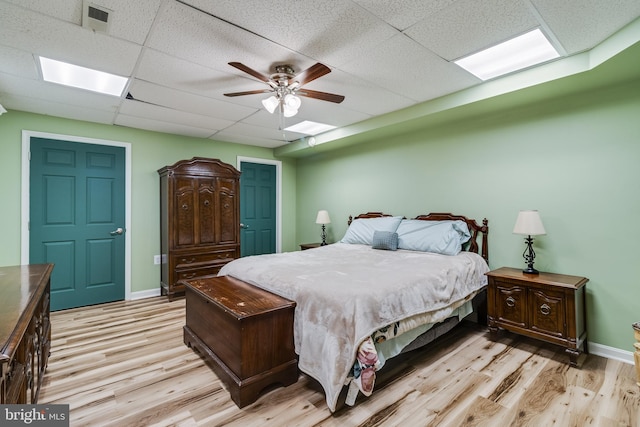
(575, 159)
(149, 151)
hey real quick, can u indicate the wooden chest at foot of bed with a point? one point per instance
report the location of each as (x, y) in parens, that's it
(245, 332)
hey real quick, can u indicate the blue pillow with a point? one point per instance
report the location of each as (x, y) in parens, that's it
(386, 240)
(361, 230)
(442, 237)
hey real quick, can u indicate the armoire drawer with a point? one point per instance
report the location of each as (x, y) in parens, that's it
(193, 260)
(192, 273)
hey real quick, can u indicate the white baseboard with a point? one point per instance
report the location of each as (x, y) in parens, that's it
(149, 293)
(610, 352)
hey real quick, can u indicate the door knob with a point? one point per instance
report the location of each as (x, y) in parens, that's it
(117, 231)
(243, 225)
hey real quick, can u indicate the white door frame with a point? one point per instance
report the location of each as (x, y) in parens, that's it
(26, 189)
(278, 165)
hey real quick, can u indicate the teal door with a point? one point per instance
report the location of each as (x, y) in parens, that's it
(77, 220)
(257, 209)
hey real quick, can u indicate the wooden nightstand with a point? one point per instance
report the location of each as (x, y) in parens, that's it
(305, 246)
(546, 306)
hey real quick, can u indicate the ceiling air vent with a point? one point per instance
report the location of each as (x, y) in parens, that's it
(95, 17)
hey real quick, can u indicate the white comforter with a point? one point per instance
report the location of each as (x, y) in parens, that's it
(346, 292)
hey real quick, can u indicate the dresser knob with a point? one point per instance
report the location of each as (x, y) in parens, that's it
(511, 302)
(545, 309)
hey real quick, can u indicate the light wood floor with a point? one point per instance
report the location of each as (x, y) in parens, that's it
(124, 364)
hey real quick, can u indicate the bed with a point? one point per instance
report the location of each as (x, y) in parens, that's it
(387, 284)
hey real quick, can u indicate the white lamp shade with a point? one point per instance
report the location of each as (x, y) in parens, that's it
(271, 103)
(292, 101)
(288, 111)
(323, 218)
(529, 223)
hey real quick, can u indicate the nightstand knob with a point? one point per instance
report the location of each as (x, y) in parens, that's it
(511, 302)
(545, 309)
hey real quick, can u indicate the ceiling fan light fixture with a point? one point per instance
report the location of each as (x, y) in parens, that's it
(271, 103)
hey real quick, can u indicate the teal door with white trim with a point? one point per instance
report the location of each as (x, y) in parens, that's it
(257, 209)
(77, 220)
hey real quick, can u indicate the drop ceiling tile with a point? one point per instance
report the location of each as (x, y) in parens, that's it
(56, 109)
(583, 24)
(248, 140)
(130, 20)
(186, 33)
(402, 66)
(331, 31)
(18, 63)
(166, 70)
(188, 102)
(66, 10)
(29, 31)
(403, 14)
(252, 131)
(162, 126)
(360, 95)
(58, 94)
(164, 114)
(468, 26)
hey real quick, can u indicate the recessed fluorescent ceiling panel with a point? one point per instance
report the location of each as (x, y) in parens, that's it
(309, 128)
(524, 51)
(80, 77)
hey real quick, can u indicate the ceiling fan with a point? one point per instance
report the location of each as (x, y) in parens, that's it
(285, 87)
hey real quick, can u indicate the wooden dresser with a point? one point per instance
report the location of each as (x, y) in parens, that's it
(546, 306)
(199, 220)
(25, 331)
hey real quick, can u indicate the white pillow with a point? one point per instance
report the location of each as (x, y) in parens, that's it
(361, 230)
(442, 237)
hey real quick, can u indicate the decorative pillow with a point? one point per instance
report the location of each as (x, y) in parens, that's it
(361, 230)
(386, 240)
(442, 237)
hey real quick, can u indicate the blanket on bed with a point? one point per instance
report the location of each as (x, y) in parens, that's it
(345, 292)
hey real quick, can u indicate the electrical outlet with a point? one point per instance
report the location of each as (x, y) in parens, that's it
(156, 259)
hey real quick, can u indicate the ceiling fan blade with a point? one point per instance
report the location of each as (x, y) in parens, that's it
(250, 71)
(248, 92)
(324, 96)
(312, 73)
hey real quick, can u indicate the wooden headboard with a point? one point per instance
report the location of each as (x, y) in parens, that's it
(479, 233)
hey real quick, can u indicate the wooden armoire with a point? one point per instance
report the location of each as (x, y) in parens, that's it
(199, 220)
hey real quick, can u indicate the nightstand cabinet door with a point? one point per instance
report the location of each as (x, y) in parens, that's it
(547, 312)
(511, 303)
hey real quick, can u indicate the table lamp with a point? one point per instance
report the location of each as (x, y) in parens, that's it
(529, 224)
(323, 218)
